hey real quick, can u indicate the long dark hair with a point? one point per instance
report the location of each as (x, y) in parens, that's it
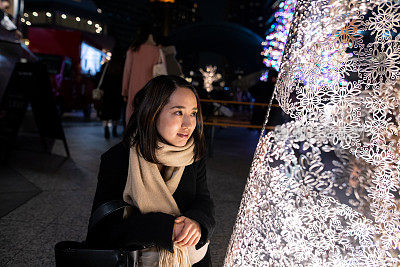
(142, 34)
(141, 130)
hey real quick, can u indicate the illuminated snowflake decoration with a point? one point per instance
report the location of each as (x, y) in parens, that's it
(323, 189)
(210, 75)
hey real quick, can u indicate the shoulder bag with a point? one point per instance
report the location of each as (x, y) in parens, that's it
(160, 68)
(73, 253)
(97, 94)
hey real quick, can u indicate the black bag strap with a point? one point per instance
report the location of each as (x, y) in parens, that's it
(104, 210)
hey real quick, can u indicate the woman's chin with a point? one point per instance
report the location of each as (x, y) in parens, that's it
(179, 143)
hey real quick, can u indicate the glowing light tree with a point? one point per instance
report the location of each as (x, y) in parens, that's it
(210, 75)
(275, 40)
(323, 189)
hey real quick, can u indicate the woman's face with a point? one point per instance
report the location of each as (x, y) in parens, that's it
(177, 119)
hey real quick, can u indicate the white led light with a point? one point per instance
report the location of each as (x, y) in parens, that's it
(97, 25)
(89, 22)
(48, 14)
(78, 19)
(26, 15)
(210, 75)
(63, 16)
(28, 23)
(35, 14)
(22, 20)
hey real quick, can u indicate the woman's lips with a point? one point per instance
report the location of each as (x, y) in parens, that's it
(183, 135)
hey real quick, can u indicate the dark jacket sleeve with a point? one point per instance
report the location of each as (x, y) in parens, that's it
(202, 208)
(138, 229)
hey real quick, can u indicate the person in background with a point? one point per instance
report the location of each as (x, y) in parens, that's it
(160, 170)
(110, 108)
(262, 93)
(173, 66)
(6, 20)
(141, 57)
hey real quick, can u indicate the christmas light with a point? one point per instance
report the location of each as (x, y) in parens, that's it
(323, 189)
(48, 14)
(89, 22)
(78, 19)
(35, 14)
(276, 39)
(63, 16)
(210, 76)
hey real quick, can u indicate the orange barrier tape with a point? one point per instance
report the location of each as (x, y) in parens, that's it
(238, 125)
(237, 102)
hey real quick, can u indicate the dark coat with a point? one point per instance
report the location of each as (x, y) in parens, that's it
(192, 197)
(111, 103)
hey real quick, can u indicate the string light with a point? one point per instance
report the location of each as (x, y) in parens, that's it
(108, 55)
(28, 23)
(63, 16)
(78, 19)
(35, 14)
(26, 15)
(277, 34)
(89, 22)
(48, 14)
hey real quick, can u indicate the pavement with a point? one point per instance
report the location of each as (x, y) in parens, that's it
(46, 198)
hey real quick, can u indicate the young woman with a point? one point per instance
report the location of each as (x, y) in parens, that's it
(159, 169)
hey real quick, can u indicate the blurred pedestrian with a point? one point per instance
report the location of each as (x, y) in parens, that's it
(141, 57)
(173, 66)
(262, 93)
(110, 109)
(6, 21)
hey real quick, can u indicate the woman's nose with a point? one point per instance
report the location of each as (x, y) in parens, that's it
(186, 122)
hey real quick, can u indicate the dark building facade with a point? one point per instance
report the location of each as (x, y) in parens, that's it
(172, 14)
(252, 14)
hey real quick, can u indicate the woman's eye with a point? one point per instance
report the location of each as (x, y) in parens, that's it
(178, 112)
(194, 114)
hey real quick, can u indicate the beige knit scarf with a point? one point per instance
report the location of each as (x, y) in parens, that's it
(146, 189)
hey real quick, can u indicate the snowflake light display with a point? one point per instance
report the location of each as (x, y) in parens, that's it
(210, 76)
(323, 189)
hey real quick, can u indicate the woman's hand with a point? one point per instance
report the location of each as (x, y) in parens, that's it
(190, 234)
(178, 227)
